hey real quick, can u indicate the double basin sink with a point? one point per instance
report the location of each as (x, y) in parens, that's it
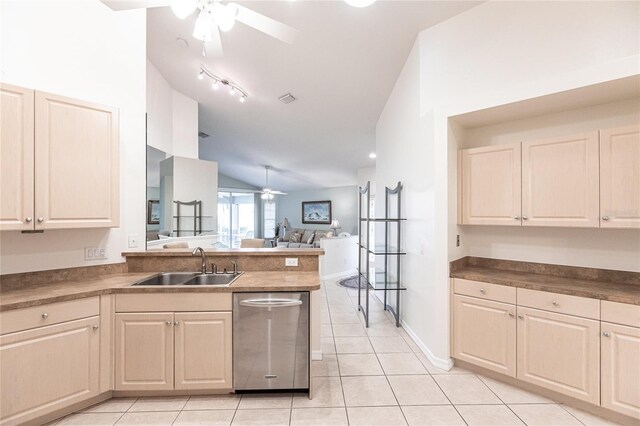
(190, 278)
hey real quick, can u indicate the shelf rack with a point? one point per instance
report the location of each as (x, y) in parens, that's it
(197, 217)
(387, 250)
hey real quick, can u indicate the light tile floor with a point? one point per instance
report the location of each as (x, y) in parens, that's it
(368, 377)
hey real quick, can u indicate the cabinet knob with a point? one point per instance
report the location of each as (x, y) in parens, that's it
(28, 219)
(511, 314)
(45, 315)
(520, 317)
(168, 322)
(40, 219)
(605, 217)
(606, 334)
(525, 218)
(176, 323)
(483, 291)
(554, 303)
(516, 217)
(95, 327)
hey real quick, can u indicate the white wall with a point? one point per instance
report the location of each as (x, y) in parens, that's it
(367, 174)
(84, 50)
(495, 53)
(344, 207)
(172, 118)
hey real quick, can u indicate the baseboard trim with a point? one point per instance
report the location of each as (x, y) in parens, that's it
(316, 355)
(442, 363)
(343, 274)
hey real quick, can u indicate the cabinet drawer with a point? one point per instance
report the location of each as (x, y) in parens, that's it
(172, 302)
(53, 313)
(498, 293)
(561, 303)
(620, 313)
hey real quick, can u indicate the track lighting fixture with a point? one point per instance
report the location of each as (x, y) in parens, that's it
(217, 81)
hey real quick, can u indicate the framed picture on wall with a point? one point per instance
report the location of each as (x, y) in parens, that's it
(316, 212)
(153, 212)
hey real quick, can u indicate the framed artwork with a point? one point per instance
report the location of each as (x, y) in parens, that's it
(316, 212)
(153, 212)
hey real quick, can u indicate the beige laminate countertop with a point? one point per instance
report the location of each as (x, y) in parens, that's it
(228, 252)
(604, 289)
(24, 297)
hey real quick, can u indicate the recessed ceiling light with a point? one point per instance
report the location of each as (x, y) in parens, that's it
(372, 155)
(360, 3)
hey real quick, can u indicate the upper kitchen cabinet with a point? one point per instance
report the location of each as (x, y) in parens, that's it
(59, 162)
(16, 158)
(77, 168)
(560, 181)
(490, 184)
(620, 177)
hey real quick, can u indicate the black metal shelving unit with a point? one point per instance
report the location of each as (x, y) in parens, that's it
(382, 280)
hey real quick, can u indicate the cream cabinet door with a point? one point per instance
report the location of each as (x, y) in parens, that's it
(48, 368)
(621, 369)
(77, 165)
(490, 185)
(144, 351)
(620, 177)
(559, 352)
(16, 158)
(484, 333)
(560, 181)
(203, 350)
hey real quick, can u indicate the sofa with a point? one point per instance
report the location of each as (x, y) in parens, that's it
(305, 236)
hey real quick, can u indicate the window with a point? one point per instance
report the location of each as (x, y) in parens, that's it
(235, 217)
(269, 215)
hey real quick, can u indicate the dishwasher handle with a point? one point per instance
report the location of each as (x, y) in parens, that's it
(270, 303)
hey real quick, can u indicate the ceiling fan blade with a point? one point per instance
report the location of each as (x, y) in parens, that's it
(278, 192)
(265, 24)
(135, 4)
(214, 47)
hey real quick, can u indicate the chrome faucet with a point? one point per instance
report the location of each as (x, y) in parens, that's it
(235, 266)
(203, 257)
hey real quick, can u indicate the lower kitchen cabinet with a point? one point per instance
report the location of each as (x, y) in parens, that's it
(485, 333)
(144, 351)
(48, 368)
(621, 368)
(203, 355)
(559, 352)
(167, 350)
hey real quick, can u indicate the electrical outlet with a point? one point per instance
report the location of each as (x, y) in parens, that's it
(291, 261)
(95, 253)
(457, 240)
(134, 241)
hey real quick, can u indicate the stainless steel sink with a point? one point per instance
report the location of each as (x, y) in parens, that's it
(167, 278)
(189, 278)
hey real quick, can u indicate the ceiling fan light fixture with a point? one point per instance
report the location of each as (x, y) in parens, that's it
(202, 29)
(360, 3)
(225, 15)
(183, 8)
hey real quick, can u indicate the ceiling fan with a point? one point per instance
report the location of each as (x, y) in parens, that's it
(268, 193)
(213, 16)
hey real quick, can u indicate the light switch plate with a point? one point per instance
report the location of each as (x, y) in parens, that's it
(291, 261)
(95, 253)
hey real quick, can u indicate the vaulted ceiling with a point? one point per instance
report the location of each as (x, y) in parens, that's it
(341, 68)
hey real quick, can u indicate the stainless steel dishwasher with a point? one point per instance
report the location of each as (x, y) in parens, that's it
(271, 341)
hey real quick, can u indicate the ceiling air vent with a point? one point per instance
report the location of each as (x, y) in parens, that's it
(287, 99)
(202, 135)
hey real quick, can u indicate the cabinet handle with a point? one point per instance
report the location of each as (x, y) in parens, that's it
(168, 322)
(28, 219)
(176, 323)
(525, 218)
(516, 217)
(95, 327)
(606, 334)
(605, 217)
(511, 314)
(520, 317)
(40, 219)
(45, 315)
(554, 303)
(482, 290)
